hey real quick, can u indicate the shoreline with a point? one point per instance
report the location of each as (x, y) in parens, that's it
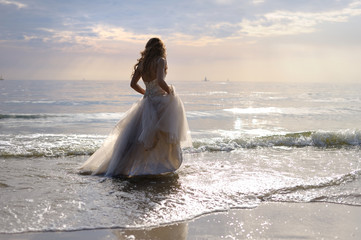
(268, 221)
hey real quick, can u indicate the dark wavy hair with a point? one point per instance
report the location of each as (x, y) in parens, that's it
(154, 49)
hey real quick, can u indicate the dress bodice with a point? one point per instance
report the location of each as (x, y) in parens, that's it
(152, 89)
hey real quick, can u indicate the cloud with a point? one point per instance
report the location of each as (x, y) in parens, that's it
(15, 3)
(223, 2)
(291, 23)
(269, 24)
(256, 2)
(97, 38)
(105, 33)
(85, 30)
(107, 38)
(190, 40)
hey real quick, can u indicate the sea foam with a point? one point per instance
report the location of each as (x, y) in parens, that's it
(56, 145)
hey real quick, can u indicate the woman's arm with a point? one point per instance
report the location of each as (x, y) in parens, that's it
(134, 82)
(160, 75)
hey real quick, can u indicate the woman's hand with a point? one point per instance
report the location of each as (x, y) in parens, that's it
(171, 90)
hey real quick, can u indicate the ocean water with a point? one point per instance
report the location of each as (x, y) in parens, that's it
(252, 143)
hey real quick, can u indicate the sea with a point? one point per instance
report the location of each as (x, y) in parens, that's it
(252, 143)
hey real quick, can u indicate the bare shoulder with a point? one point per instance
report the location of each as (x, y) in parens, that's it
(162, 61)
(140, 66)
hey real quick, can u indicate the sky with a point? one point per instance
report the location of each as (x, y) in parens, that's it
(244, 40)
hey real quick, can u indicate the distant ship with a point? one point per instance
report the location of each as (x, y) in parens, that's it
(206, 80)
(1, 77)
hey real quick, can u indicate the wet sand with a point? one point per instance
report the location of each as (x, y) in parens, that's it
(268, 221)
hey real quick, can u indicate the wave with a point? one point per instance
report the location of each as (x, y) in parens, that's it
(25, 116)
(57, 145)
(48, 145)
(321, 139)
(66, 103)
(75, 117)
(320, 184)
(191, 115)
(101, 115)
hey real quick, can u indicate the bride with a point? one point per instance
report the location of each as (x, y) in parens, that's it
(148, 139)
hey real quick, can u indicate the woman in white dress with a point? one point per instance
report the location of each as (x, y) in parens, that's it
(149, 138)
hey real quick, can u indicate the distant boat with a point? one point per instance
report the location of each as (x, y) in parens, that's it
(206, 80)
(1, 77)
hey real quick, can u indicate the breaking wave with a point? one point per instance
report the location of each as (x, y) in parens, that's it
(48, 145)
(57, 145)
(321, 139)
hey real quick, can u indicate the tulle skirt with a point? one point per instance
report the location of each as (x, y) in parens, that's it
(148, 140)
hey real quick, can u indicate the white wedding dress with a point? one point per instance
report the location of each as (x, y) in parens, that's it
(147, 140)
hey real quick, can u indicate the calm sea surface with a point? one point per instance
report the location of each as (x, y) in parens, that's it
(252, 142)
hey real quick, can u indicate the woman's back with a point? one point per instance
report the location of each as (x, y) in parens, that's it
(150, 74)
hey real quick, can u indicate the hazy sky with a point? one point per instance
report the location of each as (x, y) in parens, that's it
(245, 40)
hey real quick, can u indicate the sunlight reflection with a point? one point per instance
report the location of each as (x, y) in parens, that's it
(238, 124)
(252, 110)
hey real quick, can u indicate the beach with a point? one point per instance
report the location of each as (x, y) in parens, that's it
(268, 221)
(268, 161)
(201, 120)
